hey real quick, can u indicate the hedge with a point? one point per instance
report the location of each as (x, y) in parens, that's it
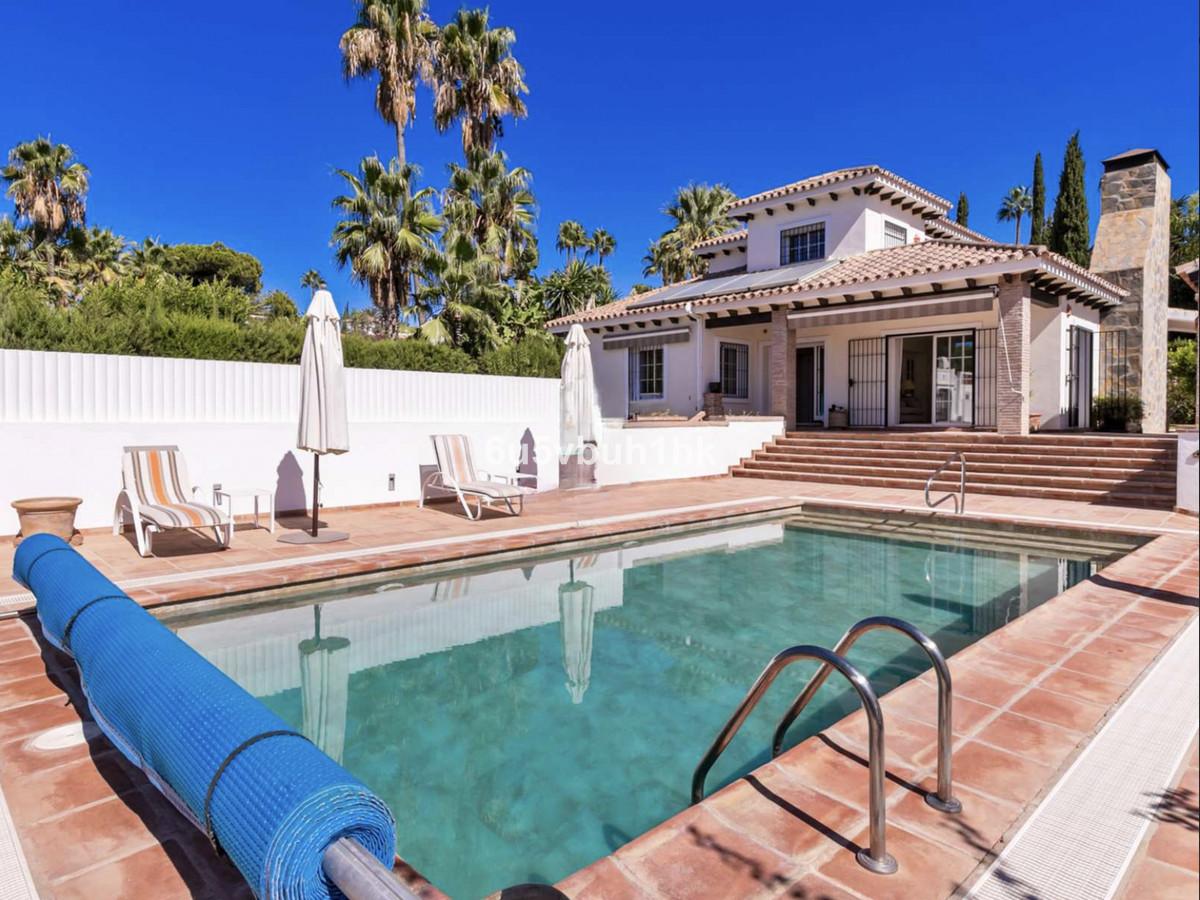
(169, 317)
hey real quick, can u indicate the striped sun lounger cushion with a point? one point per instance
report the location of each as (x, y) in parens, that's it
(492, 489)
(454, 460)
(161, 495)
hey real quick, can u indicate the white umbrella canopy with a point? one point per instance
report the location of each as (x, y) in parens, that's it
(322, 427)
(580, 423)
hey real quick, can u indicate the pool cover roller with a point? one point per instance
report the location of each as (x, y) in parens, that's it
(265, 795)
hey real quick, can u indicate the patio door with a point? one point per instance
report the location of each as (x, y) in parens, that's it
(954, 379)
(810, 384)
(868, 363)
(1079, 377)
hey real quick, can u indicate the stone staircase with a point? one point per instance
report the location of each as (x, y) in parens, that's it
(1127, 470)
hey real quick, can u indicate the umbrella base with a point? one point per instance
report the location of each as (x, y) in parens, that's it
(306, 537)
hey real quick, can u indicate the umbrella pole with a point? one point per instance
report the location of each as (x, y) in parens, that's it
(316, 487)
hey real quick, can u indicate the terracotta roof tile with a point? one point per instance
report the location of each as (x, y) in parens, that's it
(727, 238)
(941, 226)
(838, 176)
(929, 257)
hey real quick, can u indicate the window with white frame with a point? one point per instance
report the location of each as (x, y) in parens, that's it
(646, 371)
(802, 243)
(894, 234)
(735, 371)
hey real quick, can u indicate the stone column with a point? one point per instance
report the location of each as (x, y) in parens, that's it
(1012, 358)
(1132, 250)
(783, 368)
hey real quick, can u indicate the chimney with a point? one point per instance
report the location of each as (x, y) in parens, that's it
(1132, 250)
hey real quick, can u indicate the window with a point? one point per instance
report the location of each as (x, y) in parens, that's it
(646, 374)
(802, 244)
(735, 371)
(894, 234)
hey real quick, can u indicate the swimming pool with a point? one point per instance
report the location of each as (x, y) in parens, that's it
(523, 720)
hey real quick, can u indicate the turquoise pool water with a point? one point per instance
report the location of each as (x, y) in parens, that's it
(523, 721)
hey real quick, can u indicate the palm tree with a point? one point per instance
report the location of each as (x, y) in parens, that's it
(494, 207)
(572, 237)
(95, 256)
(394, 40)
(700, 212)
(48, 186)
(667, 258)
(1016, 203)
(476, 79)
(148, 256)
(602, 244)
(385, 233)
(461, 296)
(312, 280)
(574, 287)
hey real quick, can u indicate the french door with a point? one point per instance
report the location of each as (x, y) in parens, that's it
(954, 379)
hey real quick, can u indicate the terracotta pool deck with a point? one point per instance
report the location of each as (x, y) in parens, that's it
(1029, 696)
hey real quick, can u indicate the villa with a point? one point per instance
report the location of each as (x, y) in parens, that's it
(852, 293)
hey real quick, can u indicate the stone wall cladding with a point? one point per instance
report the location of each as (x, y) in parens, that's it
(1012, 362)
(1132, 250)
(783, 368)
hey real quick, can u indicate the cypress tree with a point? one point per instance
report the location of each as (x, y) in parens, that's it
(962, 210)
(1069, 229)
(1037, 213)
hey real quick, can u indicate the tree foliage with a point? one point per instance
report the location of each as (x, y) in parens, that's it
(962, 210)
(1037, 204)
(1013, 207)
(698, 212)
(207, 263)
(1070, 230)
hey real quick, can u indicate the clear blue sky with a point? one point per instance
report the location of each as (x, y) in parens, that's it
(224, 120)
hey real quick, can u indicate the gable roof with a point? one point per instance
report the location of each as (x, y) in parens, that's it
(840, 176)
(729, 237)
(931, 258)
(941, 227)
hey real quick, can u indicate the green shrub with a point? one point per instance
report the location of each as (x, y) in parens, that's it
(532, 356)
(366, 353)
(1181, 381)
(1115, 413)
(211, 263)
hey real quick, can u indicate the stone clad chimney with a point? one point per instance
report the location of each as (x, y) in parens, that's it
(1132, 250)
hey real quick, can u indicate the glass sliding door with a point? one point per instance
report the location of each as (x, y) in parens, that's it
(954, 379)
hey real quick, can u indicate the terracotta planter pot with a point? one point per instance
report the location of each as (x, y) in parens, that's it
(48, 515)
(838, 418)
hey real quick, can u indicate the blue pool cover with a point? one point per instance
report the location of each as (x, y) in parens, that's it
(277, 803)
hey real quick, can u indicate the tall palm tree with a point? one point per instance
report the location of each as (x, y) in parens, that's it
(666, 258)
(602, 244)
(574, 287)
(476, 79)
(95, 256)
(148, 256)
(461, 296)
(572, 237)
(394, 40)
(385, 232)
(493, 205)
(48, 186)
(1016, 203)
(312, 280)
(700, 211)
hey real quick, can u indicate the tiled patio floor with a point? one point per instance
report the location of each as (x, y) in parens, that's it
(91, 826)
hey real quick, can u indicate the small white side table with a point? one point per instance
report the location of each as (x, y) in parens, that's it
(225, 496)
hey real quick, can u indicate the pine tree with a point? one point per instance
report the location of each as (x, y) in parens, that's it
(1069, 231)
(1037, 214)
(962, 211)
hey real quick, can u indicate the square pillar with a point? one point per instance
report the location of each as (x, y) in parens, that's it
(783, 368)
(1012, 358)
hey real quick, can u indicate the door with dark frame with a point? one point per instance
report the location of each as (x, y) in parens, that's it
(806, 385)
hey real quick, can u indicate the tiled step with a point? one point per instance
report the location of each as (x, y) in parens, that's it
(986, 437)
(1008, 463)
(827, 445)
(1118, 497)
(976, 474)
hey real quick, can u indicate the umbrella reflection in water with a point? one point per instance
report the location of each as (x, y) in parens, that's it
(324, 688)
(576, 620)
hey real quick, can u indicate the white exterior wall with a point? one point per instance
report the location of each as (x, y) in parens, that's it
(722, 263)
(66, 417)
(1187, 472)
(755, 337)
(629, 454)
(852, 225)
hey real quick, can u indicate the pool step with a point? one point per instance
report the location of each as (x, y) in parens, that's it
(1127, 470)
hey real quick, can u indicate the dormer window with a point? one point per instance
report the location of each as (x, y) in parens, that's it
(802, 243)
(894, 234)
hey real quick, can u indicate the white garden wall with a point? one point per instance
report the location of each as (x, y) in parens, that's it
(640, 453)
(65, 417)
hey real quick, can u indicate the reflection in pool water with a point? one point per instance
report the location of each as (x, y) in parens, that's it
(523, 721)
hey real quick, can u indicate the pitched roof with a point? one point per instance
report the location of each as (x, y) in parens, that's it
(838, 176)
(930, 257)
(729, 237)
(943, 227)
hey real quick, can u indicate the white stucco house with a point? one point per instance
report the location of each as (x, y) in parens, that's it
(852, 289)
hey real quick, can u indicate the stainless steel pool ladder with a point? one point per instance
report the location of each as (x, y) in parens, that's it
(960, 499)
(875, 857)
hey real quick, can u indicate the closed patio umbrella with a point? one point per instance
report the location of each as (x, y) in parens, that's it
(579, 426)
(324, 689)
(576, 621)
(323, 426)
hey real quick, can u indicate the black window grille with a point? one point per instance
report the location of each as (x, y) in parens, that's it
(735, 371)
(802, 243)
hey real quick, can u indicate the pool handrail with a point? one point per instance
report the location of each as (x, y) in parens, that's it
(943, 799)
(960, 499)
(875, 857)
